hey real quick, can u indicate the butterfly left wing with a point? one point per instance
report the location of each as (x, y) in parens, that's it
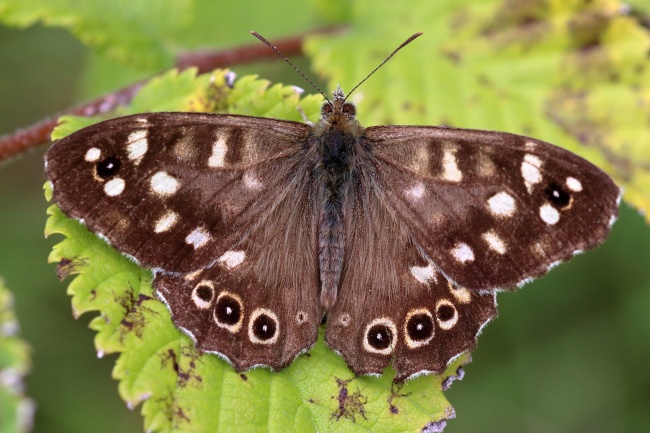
(490, 209)
(174, 191)
(215, 204)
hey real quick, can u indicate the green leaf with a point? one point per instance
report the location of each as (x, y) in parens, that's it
(576, 74)
(16, 410)
(183, 390)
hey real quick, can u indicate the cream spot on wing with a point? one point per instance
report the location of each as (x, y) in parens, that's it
(502, 204)
(166, 222)
(219, 149)
(251, 182)
(164, 184)
(142, 120)
(573, 184)
(197, 238)
(423, 274)
(450, 169)
(485, 167)
(530, 171)
(420, 161)
(461, 294)
(463, 253)
(114, 187)
(93, 154)
(549, 214)
(416, 191)
(530, 145)
(495, 243)
(137, 146)
(232, 259)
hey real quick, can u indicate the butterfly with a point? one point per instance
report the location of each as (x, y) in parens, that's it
(258, 229)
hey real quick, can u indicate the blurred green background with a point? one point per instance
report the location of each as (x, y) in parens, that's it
(568, 353)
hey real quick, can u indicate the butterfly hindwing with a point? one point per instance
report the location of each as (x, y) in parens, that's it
(492, 209)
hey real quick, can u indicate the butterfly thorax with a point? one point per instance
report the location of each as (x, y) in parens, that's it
(337, 136)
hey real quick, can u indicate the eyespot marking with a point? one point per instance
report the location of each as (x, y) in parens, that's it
(344, 320)
(418, 328)
(446, 314)
(229, 312)
(380, 336)
(263, 327)
(203, 294)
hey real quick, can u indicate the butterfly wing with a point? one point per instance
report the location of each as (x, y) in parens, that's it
(189, 194)
(173, 190)
(393, 304)
(492, 210)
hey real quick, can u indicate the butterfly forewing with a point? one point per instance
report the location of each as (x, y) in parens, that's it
(491, 209)
(174, 190)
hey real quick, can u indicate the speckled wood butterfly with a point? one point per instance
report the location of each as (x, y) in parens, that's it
(256, 229)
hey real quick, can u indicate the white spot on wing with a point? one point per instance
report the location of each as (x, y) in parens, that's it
(219, 149)
(463, 253)
(166, 222)
(423, 274)
(138, 145)
(251, 182)
(164, 184)
(114, 187)
(197, 238)
(573, 184)
(450, 169)
(549, 214)
(93, 154)
(502, 204)
(232, 259)
(494, 242)
(530, 171)
(461, 294)
(416, 191)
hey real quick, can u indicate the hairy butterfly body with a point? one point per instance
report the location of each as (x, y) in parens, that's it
(258, 228)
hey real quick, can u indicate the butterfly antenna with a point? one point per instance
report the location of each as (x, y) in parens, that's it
(274, 48)
(405, 43)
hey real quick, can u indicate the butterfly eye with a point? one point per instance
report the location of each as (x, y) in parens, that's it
(326, 109)
(349, 109)
(108, 167)
(557, 195)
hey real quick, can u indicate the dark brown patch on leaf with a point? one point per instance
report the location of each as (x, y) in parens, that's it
(67, 267)
(350, 405)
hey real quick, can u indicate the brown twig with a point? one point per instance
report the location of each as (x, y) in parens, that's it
(30, 137)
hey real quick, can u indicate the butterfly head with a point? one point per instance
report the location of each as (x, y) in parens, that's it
(339, 115)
